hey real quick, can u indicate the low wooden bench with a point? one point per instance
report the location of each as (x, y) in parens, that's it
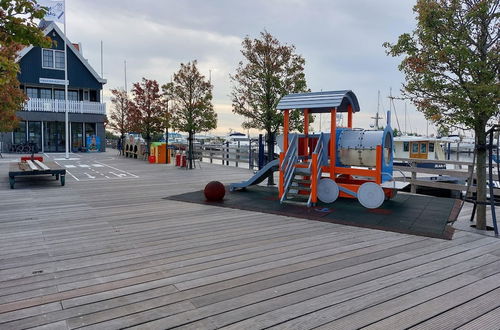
(35, 167)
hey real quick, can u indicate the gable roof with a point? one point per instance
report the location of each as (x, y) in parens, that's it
(53, 26)
(320, 101)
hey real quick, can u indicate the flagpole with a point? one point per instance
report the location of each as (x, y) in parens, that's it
(66, 119)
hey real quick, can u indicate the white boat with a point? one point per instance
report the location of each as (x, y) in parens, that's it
(420, 147)
(236, 139)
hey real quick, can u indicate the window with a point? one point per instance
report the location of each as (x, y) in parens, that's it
(73, 95)
(431, 147)
(47, 58)
(406, 146)
(423, 148)
(32, 92)
(414, 147)
(45, 93)
(59, 94)
(53, 59)
(59, 59)
(35, 133)
(20, 133)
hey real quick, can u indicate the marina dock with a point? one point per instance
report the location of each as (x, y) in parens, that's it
(108, 251)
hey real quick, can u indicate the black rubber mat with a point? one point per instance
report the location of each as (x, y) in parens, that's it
(406, 213)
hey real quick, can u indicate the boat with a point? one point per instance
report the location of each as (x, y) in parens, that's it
(237, 139)
(419, 147)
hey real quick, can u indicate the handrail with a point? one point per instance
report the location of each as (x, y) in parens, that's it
(317, 160)
(288, 165)
(56, 105)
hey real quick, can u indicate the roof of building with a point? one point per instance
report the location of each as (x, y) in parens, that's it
(320, 101)
(48, 27)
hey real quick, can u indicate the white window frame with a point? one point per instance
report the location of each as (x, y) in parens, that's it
(53, 59)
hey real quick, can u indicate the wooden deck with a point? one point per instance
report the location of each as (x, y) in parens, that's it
(108, 252)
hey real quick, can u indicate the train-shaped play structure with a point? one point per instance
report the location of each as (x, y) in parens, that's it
(347, 162)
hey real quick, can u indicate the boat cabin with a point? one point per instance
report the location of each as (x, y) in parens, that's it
(418, 147)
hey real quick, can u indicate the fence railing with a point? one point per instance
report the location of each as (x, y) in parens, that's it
(51, 105)
(461, 171)
(229, 154)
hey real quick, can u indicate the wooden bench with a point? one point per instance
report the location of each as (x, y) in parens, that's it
(35, 167)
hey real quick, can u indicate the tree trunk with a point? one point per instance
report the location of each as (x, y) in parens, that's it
(122, 141)
(190, 150)
(270, 156)
(481, 176)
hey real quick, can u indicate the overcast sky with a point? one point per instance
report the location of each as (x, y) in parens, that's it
(341, 41)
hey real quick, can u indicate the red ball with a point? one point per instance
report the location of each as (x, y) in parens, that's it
(214, 191)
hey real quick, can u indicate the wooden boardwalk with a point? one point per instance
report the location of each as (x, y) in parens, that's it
(108, 252)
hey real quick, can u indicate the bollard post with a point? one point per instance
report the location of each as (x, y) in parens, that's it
(237, 154)
(413, 185)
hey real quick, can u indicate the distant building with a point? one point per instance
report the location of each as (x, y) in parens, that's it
(43, 116)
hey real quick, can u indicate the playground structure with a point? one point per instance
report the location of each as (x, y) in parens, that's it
(134, 147)
(348, 162)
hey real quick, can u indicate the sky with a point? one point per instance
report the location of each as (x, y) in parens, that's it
(341, 41)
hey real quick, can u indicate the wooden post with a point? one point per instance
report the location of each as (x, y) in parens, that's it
(249, 154)
(237, 154)
(333, 138)
(286, 119)
(211, 155)
(349, 116)
(227, 154)
(413, 186)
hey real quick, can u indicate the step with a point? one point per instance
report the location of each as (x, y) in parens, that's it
(301, 188)
(295, 202)
(302, 171)
(302, 181)
(296, 195)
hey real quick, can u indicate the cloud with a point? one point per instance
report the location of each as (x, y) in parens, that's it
(340, 40)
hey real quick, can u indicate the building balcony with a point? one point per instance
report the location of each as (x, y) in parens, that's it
(50, 105)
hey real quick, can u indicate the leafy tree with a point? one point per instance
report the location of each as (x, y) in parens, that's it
(270, 71)
(193, 110)
(451, 63)
(147, 109)
(167, 91)
(17, 29)
(120, 115)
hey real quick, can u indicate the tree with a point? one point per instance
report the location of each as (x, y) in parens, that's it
(120, 115)
(167, 92)
(270, 71)
(193, 110)
(17, 28)
(451, 63)
(147, 108)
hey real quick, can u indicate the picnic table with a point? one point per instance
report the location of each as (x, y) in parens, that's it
(35, 167)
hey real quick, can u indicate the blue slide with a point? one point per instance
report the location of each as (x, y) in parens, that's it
(258, 177)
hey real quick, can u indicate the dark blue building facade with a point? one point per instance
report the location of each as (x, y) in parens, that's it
(43, 116)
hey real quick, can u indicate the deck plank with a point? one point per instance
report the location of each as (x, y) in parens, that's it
(106, 254)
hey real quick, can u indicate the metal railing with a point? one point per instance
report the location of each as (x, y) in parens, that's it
(315, 170)
(288, 165)
(52, 105)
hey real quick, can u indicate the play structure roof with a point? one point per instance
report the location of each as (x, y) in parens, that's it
(320, 101)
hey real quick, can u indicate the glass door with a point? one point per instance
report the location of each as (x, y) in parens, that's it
(35, 134)
(76, 136)
(54, 137)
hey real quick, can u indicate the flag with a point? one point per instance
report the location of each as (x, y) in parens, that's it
(55, 10)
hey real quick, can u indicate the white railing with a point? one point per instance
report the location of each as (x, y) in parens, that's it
(49, 105)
